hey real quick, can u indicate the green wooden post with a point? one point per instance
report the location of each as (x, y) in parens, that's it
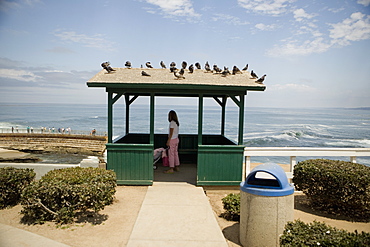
(241, 119)
(152, 101)
(223, 115)
(110, 117)
(127, 100)
(200, 119)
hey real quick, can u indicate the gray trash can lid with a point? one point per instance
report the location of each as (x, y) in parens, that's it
(267, 180)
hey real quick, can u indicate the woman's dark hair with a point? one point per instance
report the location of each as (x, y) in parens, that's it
(172, 116)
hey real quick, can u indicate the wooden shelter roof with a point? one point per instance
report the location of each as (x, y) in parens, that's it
(162, 82)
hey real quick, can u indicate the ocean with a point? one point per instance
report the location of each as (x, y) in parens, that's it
(263, 127)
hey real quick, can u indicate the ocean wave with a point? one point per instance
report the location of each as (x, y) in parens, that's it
(349, 143)
(98, 117)
(6, 125)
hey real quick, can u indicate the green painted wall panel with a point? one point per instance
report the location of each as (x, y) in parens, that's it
(219, 165)
(133, 163)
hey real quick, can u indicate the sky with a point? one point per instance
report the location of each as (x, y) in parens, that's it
(315, 53)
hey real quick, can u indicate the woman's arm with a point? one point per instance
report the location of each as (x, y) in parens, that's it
(169, 137)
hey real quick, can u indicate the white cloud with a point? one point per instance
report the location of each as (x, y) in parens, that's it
(20, 75)
(268, 7)
(95, 41)
(229, 19)
(355, 28)
(364, 2)
(265, 27)
(300, 15)
(292, 87)
(60, 49)
(336, 10)
(317, 45)
(175, 7)
(6, 5)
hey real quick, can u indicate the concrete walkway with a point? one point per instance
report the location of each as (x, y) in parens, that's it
(176, 214)
(15, 237)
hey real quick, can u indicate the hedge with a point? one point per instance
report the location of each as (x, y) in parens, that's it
(12, 183)
(298, 233)
(60, 194)
(338, 187)
(231, 204)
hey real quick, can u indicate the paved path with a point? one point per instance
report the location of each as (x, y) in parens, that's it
(176, 214)
(15, 237)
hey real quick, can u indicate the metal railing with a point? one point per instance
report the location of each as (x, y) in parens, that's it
(293, 152)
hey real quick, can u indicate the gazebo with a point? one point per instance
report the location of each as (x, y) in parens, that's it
(219, 160)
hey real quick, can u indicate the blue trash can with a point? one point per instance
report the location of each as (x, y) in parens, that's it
(266, 205)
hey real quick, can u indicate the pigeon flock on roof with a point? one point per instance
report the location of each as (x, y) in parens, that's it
(179, 73)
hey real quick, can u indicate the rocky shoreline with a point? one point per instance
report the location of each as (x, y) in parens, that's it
(18, 148)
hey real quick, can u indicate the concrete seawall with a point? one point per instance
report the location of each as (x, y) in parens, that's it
(54, 143)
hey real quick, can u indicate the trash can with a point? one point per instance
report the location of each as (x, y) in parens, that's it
(266, 205)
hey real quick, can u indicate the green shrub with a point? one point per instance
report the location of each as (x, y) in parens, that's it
(337, 187)
(12, 183)
(298, 233)
(60, 194)
(232, 206)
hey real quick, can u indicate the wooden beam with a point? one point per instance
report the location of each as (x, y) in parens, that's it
(110, 117)
(200, 119)
(241, 120)
(152, 102)
(127, 100)
(133, 99)
(236, 101)
(117, 97)
(223, 115)
(217, 100)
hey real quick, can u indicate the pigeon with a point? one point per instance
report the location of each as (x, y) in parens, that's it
(173, 67)
(207, 68)
(245, 68)
(191, 68)
(148, 65)
(254, 75)
(236, 70)
(225, 72)
(182, 72)
(107, 67)
(143, 73)
(178, 75)
(216, 69)
(163, 65)
(260, 80)
(128, 64)
(197, 65)
(184, 64)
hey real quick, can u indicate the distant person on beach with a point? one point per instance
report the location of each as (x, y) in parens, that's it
(28, 129)
(173, 142)
(93, 132)
(12, 129)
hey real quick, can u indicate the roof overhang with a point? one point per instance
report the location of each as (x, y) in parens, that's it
(163, 83)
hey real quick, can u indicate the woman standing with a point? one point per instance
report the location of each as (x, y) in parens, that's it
(173, 142)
